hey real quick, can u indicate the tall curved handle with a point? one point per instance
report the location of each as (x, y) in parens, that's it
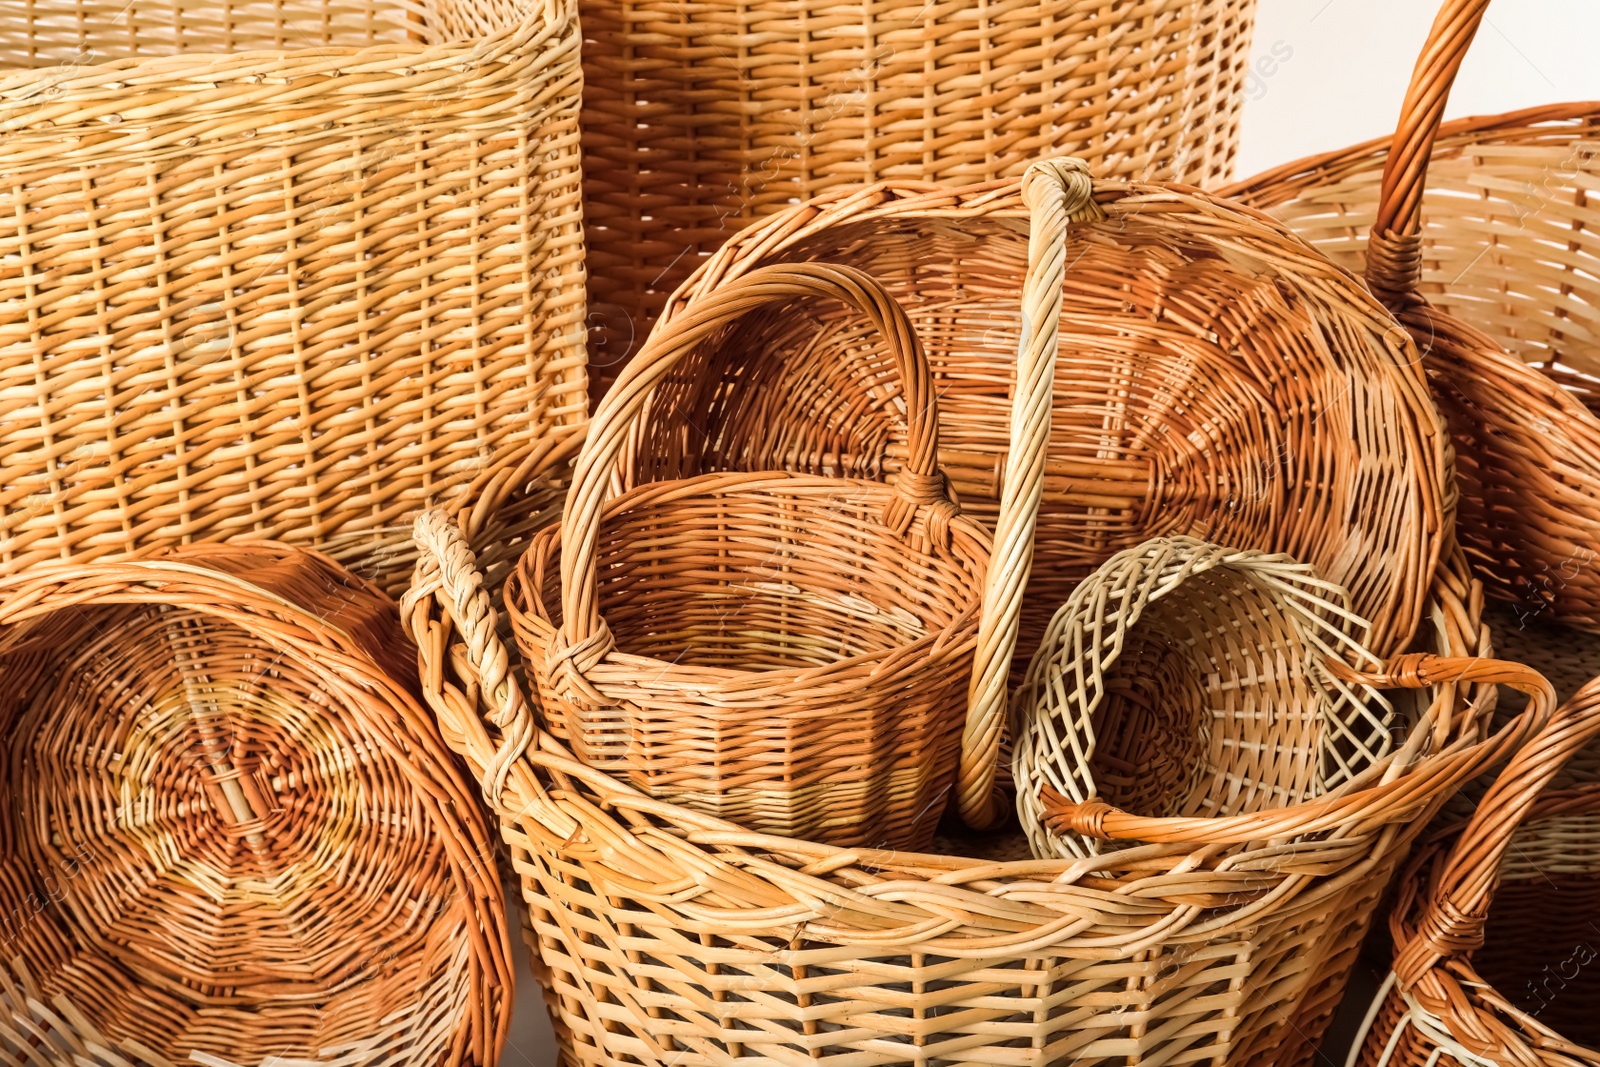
(1095, 818)
(1394, 250)
(1451, 925)
(1058, 192)
(583, 639)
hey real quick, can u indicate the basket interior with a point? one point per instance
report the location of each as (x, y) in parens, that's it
(204, 850)
(1211, 709)
(789, 576)
(1195, 393)
(67, 34)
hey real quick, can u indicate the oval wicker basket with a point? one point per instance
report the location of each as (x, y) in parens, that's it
(1172, 364)
(281, 269)
(1494, 924)
(666, 936)
(1184, 680)
(787, 651)
(231, 831)
(1485, 236)
(698, 120)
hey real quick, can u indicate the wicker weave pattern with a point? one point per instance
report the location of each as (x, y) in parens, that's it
(232, 832)
(1494, 924)
(297, 291)
(789, 651)
(1488, 244)
(668, 937)
(1186, 679)
(701, 118)
(1214, 377)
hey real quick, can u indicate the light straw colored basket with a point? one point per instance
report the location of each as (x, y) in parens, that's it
(1189, 679)
(668, 937)
(231, 830)
(698, 120)
(1485, 224)
(788, 651)
(1494, 926)
(1172, 364)
(290, 270)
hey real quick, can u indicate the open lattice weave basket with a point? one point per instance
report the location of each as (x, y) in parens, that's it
(669, 937)
(282, 269)
(231, 833)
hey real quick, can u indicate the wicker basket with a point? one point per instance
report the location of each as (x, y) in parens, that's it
(788, 651)
(1494, 924)
(232, 834)
(1215, 378)
(289, 270)
(1485, 224)
(665, 936)
(698, 120)
(1186, 680)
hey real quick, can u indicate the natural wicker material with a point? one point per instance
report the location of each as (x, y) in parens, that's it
(699, 119)
(1485, 224)
(1188, 679)
(288, 270)
(669, 937)
(1215, 377)
(1494, 924)
(231, 831)
(788, 651)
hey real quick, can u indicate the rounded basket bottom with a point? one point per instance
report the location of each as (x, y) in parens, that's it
(207, 856)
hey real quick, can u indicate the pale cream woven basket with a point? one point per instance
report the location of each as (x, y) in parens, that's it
(288, 270)
(1190, 679)
(700, 118)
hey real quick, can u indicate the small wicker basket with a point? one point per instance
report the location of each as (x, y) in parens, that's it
(231, 833)
(281, 268)
(698, 120)
(1185, 680)
(1485, 234)
(669, 937)
(787, 651)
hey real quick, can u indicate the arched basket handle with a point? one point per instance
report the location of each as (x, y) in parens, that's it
(1058, 193)
(1394, 250)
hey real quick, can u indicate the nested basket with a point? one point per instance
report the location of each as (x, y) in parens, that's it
(700, 119)
(1177, 366)
(1494, 925)
(1485, 241)
(665, 936)
(785, 650)
(231, 832)
(1185, 679)
(289, 270)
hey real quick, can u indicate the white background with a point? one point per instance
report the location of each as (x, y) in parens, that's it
(1342, 73)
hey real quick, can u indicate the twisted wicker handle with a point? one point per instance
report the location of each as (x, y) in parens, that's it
(447, 568)
(1058, 192)
(1095, 818)
(1394, 250)
(1452, 924)
(584, 638)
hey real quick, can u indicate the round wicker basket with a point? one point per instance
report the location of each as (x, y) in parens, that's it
(1485, 242)
(232, 835)
(787, 651)
(281, 268)
(667, 936)
(1184, 679)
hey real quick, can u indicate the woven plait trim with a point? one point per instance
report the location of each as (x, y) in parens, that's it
(1444, 932)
